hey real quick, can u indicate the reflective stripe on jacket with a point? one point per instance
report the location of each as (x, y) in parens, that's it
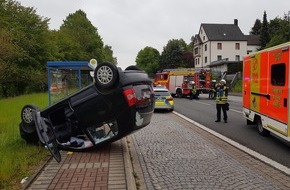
(193, 90)
(222, 95)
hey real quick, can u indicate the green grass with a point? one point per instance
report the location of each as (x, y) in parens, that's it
(17, 158)
(238, 86)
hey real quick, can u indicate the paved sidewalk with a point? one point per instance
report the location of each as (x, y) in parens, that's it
(106, 168)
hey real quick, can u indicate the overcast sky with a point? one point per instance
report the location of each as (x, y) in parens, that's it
(131, 25)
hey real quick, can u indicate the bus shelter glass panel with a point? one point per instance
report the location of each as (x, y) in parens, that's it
(64, 82)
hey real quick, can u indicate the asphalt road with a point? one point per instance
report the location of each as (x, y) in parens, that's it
(203, 111)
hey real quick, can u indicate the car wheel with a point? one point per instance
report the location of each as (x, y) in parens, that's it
(179, 93)
(26, 114)
(262, 131)
(30, 136)
(106, 75)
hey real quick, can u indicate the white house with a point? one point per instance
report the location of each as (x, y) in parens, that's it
(253, 43)
(216, 45)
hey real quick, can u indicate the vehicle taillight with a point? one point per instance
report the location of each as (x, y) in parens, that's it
(130, 96)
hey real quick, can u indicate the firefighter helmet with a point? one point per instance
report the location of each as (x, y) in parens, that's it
(223, 81)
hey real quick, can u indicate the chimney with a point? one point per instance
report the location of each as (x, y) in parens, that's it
(236, 22)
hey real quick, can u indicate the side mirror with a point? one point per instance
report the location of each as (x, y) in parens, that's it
(93, 64)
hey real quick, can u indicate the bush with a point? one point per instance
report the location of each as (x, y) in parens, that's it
(238, 87)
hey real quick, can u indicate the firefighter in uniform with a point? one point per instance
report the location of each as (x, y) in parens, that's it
(212, 92)
(221, 101)
(193, 93)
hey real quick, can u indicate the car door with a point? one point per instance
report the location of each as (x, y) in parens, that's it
(46, 135)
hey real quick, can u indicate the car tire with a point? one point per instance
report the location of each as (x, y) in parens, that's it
(30, 137)
(179, 93)
(106, 76)
(26, 114)
(261, 130)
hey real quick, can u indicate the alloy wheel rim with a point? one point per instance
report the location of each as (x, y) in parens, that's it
(27, 115)
(105, 74)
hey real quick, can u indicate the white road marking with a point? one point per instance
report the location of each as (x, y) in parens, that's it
(237, 111)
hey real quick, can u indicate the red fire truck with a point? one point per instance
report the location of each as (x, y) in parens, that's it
(180, 81)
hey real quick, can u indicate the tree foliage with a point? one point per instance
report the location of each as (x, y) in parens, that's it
(274, 32)
(23, 36)
(278, 31)
(82, 38)
(172, 55)
(148, 60)
(264, 37)
(256, 29)
(27, 44)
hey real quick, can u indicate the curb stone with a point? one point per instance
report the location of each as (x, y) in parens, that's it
(131, 183)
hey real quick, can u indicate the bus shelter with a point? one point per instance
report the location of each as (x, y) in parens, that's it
(66, 77)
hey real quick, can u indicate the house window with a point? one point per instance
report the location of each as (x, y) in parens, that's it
(196, 61)
(219, 57)
(278, 74)
(237, 46)
(196, 50)
(203, 38)
(237, 58)
(205, 59)
(205, 47)
(219, 46)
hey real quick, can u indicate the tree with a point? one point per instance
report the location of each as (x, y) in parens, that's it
(188, 56)
(25, 48)
(188, 60)
(264, 37)
(27, 44)
(108, 54)
(172, 55)
(256, 29)
(80, 39)
(278, 30)
(148, 60)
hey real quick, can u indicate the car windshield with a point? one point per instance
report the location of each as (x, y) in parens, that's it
(162, 93)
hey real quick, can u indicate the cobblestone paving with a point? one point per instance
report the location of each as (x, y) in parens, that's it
(176, 155)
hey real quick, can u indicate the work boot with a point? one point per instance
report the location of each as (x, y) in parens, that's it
(217, 120)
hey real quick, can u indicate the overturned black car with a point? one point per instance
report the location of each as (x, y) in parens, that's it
(115, 105)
